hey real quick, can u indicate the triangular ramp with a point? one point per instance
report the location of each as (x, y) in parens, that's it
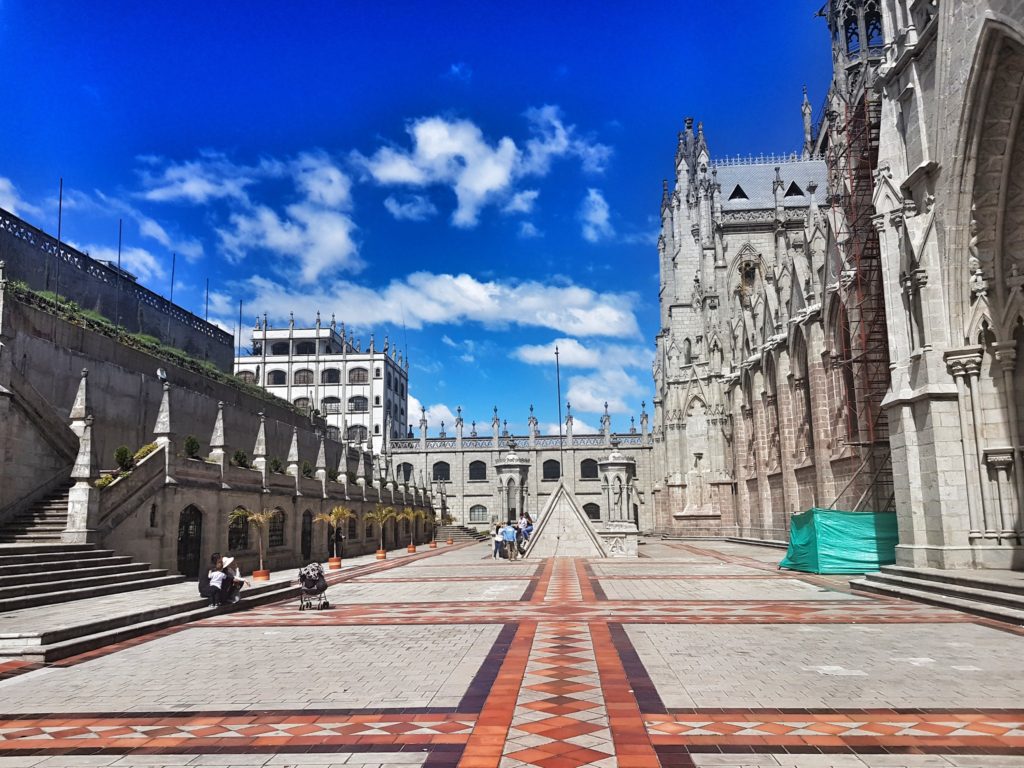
(564, 530)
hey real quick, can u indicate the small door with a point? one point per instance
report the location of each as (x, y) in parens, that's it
(307, 536)
(190, 541)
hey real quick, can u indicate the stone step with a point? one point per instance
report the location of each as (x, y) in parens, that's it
(10, 553)
(100, 568)
(31, 538)
(974, 579)
(905, 591)
(949, 589)
(38, 517)
(44, 563)
(33, 558)
(16, 598)
(73, 640)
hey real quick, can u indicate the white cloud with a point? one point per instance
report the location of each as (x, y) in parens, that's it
(212, 176)
(573, 354)
(319, 239)
(138, 261)
(448, 341)
(455, 153)
(436, 413)
(12, 201)
(595, 216)
(528, 230)
(321, 181)
(426, 298)
(579, 427)
(590, 392)
(412, 208)
(521, 202)
(460, 71)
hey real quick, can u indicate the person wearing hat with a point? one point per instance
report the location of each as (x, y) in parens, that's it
(232, 583)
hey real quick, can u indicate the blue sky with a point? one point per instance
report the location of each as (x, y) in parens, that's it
(477, 180)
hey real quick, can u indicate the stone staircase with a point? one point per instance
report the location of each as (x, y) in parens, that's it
(460, 533)
(36, 568)
(997, 595)
(40, 523)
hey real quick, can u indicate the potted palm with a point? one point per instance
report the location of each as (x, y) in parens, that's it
(410, 515)
(261, 521)
(379, 516)
(335, 519)
(447, 519)
(433, 527)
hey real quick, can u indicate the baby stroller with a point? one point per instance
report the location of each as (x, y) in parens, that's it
(313, 585)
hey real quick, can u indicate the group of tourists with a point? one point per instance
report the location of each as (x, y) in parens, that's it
(222, 582)
(510, 539)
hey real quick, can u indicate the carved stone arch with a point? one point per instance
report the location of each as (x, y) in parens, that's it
(991, 145)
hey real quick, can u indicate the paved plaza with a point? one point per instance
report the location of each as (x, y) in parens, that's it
(696, 654)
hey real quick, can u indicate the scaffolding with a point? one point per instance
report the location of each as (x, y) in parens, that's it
(863, 340)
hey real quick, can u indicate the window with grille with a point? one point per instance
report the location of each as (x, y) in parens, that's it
(305, 348)
(358, 404)
(552, 470)
(277, 378)
(238, 535)
(358, 376)
(478, 514)
(442, 471)
(247, 376)
(275, 531)
(588, 469)
(593, 511)
(279, 348)
(330, 376)
(477, 470)
(356, 433)
(304, 376)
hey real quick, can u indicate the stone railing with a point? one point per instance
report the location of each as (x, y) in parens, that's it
(589, 440)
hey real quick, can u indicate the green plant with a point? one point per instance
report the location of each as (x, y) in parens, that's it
(351, 477)
(124, 459)
(240, 459)
(332, 475)
(259, 520)
(144, 451)
(103, 481)
(274, 465)
(307, 469)
(191, 446)
(408, 514)
(337, 517)
(379, 516)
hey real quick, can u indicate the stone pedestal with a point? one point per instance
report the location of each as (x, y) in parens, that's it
(620, 539)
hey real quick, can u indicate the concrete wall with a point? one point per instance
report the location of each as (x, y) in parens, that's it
(31, 255)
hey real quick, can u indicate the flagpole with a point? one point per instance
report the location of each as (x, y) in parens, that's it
(558, 379)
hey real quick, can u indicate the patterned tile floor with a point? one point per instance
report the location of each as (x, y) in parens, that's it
(698, 654)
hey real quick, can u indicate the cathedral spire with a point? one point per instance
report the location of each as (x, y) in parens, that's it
(806, 110)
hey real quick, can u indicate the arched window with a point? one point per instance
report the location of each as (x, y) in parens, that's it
(305, 348)
(352, 526)
(358, 376)
(356, 434)
(275, 531)
(687, 352)
(302, 403)
(376, 399)
(238, 534)
(478, 514)
(358, 404)
(477, 470)
(279, 348)
(331, 405)
(376, 372)
(277, 378)
(873, 27)
(376, 429)
(303, 376)
(552, 470)
(442, 471)
(588, 469)
(247, 377)
(405, 472)
(851, 28)
(330, 376)
(593, 511)
(368, 535)
(387, 380)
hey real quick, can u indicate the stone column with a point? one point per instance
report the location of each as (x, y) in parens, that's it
(962, 365)
(83, 498)
(1006, 357)
(1000, 463)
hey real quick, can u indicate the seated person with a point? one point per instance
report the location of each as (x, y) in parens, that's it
(232, 583)
(205, 590)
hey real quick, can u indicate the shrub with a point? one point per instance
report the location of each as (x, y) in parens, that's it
(240, 459)
(124, 459)
(191, 447)
(144, 451)
(103, 481)
(307, 469)
(275, 465)
(332, 475)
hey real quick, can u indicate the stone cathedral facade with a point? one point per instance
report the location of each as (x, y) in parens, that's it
(840, 326)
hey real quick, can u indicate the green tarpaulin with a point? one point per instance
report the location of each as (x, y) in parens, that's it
(833, 541)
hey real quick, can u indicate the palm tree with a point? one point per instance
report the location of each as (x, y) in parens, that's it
(408, 514)
(259, 520)
(379, 516)
(337, 517)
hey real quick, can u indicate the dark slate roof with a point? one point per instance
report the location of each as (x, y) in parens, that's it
(756, 178)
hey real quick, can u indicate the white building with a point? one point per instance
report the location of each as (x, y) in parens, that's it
(360, 392)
